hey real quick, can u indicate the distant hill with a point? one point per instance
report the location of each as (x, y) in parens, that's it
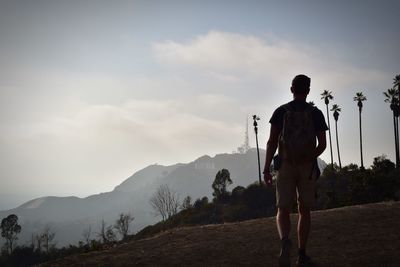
(365, 235)
(69, 216)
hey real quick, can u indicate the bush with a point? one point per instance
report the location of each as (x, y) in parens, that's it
(259, 196)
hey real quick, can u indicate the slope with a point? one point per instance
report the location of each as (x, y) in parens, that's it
(366, 235)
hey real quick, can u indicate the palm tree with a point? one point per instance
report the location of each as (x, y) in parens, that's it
(396, 81)
(327, 95)
(336, 109)
(360, 98)
(393, 97)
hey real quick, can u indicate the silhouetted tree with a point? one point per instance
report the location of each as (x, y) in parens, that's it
(393, 97)
(38, 240)
(110, 234)
(102, 233)
(382, 164)
(122, 224)
(327, 95)
(187, 203)
(106, 233)
(200, 203)
(47, 237)
(336, 109)
(222, 180)
(87, 232)
(10, 230)
(165, 202)
(359, 98)
(237, 194)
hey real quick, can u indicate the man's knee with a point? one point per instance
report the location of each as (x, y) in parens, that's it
(304, 210)
(283, 211)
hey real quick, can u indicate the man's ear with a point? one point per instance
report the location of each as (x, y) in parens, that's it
(291, 89)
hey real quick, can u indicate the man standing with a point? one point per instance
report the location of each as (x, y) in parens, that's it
(295, 126)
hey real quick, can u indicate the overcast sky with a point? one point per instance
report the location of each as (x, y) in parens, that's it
(92, 91)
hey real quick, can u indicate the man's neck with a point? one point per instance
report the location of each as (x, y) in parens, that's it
(300, 97)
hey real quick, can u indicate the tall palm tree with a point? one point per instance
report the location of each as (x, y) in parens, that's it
(396, 83)
(360, 98)
(327, 95)
(336, 109)
(393, 97)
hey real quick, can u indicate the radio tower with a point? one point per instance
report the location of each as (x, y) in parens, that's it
(245, 147)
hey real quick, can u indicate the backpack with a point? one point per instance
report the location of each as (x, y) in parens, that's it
(297, 140)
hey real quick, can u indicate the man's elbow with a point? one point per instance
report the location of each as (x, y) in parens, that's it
(322, 146)
(272, 143)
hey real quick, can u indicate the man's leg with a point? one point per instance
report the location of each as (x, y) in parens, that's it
(283, 225)
(283, 222)
(306, 198)
(285, 193)
(303, 226)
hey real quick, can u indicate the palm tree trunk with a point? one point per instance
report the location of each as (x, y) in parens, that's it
(337, 144)
(397, 143)
(329, 129)
(361, 151)
(396, 139)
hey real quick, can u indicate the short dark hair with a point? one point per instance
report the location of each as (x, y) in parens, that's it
(301, 84)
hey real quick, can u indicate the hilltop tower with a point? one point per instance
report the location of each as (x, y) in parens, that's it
(245, 147)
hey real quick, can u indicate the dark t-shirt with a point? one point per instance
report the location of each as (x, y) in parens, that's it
(318, 117)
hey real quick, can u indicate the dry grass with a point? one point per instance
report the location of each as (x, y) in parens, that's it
(367, 235)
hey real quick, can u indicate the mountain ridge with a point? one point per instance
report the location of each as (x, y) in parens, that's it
(69, 216)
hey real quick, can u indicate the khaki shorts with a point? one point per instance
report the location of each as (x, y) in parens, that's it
(295, 180)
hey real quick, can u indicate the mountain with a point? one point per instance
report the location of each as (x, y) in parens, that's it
(362, 235)
(68, 217)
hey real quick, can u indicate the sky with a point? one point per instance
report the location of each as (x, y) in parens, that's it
(92, 91)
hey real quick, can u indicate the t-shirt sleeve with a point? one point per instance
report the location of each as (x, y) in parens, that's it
(320, 124)
(277, 117)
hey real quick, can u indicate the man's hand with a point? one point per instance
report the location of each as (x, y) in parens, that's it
(268, 178)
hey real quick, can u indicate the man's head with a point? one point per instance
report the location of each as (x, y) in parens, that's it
(301, 85)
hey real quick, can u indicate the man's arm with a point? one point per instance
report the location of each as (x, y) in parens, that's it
(321, 137)
(272, 144)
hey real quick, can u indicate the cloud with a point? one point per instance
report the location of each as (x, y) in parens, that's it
(233, 57)
(100, 145)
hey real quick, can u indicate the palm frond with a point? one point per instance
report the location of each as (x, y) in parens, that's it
(359, 97)
(335, 107)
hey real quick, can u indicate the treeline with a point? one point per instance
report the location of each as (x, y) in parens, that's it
(242, 203)
(352, 185)
(337, 187)
(43, 248)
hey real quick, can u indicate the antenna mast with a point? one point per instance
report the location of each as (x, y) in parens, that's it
(246, 139)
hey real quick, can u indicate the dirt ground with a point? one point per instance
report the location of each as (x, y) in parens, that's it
(367, 235)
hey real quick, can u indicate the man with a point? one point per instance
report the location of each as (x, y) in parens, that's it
(295, 126)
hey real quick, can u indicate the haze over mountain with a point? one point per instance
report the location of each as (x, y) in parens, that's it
(69, 216)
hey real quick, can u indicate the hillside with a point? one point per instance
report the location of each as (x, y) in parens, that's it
(366, 235)
(69, 216)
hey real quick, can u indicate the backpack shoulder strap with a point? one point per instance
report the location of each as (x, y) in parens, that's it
(287, 107)
(309, 108)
